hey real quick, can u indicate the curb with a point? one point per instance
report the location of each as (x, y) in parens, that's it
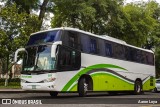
(20, 91)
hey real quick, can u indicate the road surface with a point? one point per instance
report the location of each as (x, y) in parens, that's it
(148, 99)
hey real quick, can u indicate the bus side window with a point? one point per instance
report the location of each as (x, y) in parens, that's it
(118, 51)
(102, 51)
(84, 43)
(127, 53)
(144, 57)
(73, 40)
(93, 46)
(108, 49)
(150, 59)
(133, 54)
(68, 59)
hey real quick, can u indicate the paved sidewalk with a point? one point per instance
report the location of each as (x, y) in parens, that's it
(20, 91)
(11, 90)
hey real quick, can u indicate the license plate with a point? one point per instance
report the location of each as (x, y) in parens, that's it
(33, 86)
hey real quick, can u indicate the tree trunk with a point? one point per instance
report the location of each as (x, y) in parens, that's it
(6, 80)
(42, 12)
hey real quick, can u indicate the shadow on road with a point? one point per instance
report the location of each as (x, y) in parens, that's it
(89, 95)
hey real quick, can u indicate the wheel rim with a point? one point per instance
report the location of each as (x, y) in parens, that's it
(138, 88)
(85, 87)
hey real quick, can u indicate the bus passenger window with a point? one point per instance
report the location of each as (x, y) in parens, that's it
(119, 51)
(68, 59)
(127, 54)
(150, 59)
(93, 46)
(108, 49)
(73, 40)
(85, 43)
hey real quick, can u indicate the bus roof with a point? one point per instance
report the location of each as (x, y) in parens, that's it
(105, 37)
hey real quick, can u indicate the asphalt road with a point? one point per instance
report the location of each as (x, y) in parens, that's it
(148, 99)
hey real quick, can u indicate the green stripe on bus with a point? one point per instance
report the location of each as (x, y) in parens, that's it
(112, 80)
(118, 83)
(84, 71)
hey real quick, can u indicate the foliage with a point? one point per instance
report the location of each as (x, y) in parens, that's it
(88, 15)
(72, 13)
(24, 5)
(15, 30)
(140, 24)
(40, 7)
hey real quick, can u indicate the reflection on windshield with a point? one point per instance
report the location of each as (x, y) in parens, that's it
(29, 58)
(39, 58)
(44, 37)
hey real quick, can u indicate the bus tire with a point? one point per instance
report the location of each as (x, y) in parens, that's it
(138, 87)
(112, 93)
(155, 90)
(53, 94)
(82, 87)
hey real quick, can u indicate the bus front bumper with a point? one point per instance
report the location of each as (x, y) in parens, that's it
(38, 86)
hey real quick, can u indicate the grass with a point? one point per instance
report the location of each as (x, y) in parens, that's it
(10, 87)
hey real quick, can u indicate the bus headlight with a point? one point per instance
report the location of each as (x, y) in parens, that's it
(49, 80)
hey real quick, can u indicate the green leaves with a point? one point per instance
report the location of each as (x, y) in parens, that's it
(16, 26)
(15, 30)
(89, 15)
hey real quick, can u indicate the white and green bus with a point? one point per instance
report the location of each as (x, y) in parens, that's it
(71, 60)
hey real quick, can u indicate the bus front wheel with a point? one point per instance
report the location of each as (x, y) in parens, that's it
(138, 88)
(82, 87)
(53, 94)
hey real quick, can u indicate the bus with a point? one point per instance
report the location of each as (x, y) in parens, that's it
(71, 60)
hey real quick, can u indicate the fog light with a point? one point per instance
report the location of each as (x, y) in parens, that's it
(52, 86)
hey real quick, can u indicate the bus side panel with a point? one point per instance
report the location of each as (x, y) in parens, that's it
(108, 74)
(109, 82)
(149, 84)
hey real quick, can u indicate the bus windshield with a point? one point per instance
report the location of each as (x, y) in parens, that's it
(44, 37)
(38, 58)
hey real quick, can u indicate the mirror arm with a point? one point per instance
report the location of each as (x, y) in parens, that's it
(16, 53)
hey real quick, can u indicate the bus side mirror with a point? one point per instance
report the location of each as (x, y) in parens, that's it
(16, 53)
(54, 47)
(53, 51)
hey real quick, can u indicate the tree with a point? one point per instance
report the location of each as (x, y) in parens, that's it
(88, 15)
(155, 38)
(14, 31)
(138, 24)
(73, 13)
(28, 7)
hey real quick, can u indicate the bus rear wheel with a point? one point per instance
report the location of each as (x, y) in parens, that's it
(138, 87)
(82, 87)
(53, 94)
(155, 90)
